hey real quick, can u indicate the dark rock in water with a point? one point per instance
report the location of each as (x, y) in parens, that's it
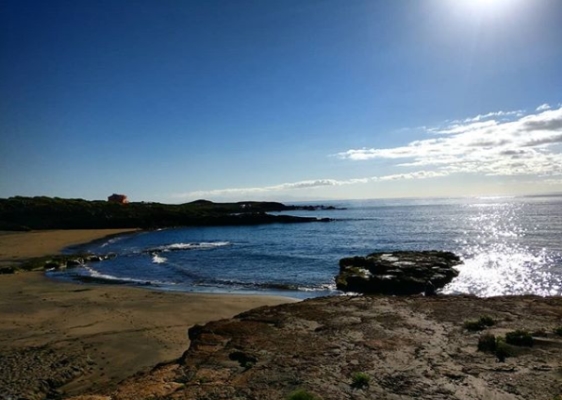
(7, 270)
(75, 262)
(400, 272)
(60, 261)
(54, 264)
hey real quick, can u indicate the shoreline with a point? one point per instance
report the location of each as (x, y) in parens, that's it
(17, 247)
(97, 335)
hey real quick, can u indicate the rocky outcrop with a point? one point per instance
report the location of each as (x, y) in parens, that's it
(57, 262)
(400, 272)
(404, 347)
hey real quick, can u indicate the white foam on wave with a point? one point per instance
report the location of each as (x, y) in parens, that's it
(112, 241)
(98, 275)
(157, 259)
(192, 246)
(326, 287)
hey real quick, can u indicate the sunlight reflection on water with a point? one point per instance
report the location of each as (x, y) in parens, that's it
(495, 260)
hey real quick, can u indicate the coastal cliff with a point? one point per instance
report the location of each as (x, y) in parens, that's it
(365, 347)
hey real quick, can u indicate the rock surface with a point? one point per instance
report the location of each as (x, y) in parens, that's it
(400, 272)
(409, 347)
(57, 262)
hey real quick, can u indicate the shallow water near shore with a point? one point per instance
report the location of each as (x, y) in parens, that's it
(509, 246)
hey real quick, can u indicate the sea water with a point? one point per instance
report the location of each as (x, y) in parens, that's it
(508, 245)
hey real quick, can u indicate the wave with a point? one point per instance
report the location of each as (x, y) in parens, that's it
(98, 277)
(327, 287)
(187, 246)
(156, 259)
(113, 240)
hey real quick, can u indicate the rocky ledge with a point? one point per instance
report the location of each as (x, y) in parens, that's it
(368, 347)
(397, 273)
(55, 262)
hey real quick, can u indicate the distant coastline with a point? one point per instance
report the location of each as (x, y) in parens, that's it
(39, 213)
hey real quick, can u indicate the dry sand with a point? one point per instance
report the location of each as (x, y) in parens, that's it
(93, 335)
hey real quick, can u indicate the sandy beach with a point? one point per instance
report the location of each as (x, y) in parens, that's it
(75, 337)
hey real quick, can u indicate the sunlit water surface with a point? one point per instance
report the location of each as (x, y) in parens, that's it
(509, 246)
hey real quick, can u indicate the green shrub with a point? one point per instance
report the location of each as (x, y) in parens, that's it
(558, 331)
(486, 320)
(473, 326)
(503, 350)
(487, 343)
(482, 323)
(301, 394)
(360, 380)
(519, 338)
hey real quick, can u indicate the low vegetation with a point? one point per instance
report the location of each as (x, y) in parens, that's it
(503, 347)
(302, 394)
(487, 343)
(519, 338)
(558, 331)
(28, 213)
(482, 323)
(503, 350)
(360, 380)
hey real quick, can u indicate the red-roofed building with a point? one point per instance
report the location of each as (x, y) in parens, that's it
(118, 198)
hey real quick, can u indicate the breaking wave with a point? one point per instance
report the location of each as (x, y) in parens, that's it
(157, 259)
(96, 276)
(188, 246)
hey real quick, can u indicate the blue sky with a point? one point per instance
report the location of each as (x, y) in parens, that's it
(173, 101)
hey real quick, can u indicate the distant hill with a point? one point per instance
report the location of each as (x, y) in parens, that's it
(30, 213)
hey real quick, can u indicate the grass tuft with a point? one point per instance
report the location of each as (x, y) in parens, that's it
(482, 323)
(360, 380)
(302, 394)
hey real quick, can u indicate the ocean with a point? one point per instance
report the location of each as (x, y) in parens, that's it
(508, 245)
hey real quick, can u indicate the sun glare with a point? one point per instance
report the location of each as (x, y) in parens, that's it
(484, 10)
(487, 5)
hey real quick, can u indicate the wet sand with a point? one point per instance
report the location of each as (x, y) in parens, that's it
(19, 246)
(77, 337)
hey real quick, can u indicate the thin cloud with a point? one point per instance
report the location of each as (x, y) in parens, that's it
(308, 184)
(543, 107)
(529, 144)
(495, 114)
